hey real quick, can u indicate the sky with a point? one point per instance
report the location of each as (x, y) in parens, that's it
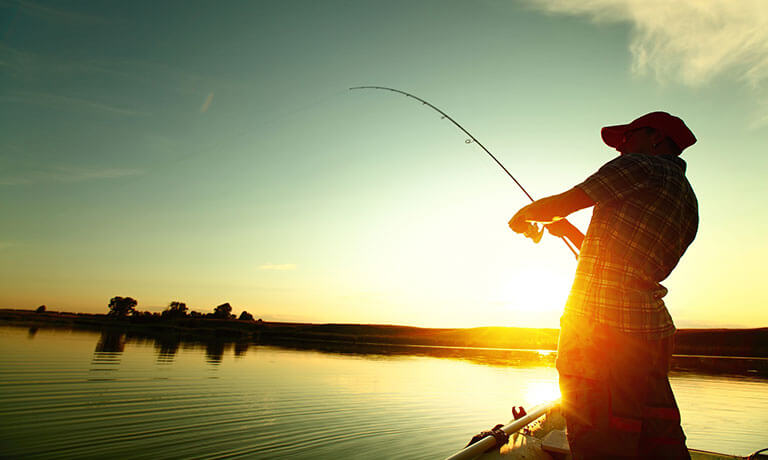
(212, 152)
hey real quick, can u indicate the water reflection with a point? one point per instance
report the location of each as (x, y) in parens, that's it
(214, 351)
(241, 347)
(110, 342)
(485, 356)
(107, 356)
(721, 365)
(111, 345)
(167, 347)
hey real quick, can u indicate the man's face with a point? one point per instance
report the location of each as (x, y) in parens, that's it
(638, 140)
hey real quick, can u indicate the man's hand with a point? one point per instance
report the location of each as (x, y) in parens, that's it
(564, 229)
(560, 228)
(552, 211)
(538, 211)
(519, 222)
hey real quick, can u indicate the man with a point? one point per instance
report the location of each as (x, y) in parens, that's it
(616, 333)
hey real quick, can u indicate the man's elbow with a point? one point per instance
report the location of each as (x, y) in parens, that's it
(571, 201)
(578, 199)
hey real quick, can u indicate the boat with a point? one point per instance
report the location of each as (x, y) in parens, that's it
(540, 434)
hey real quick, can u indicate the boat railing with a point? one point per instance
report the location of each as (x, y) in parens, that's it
(487, 442)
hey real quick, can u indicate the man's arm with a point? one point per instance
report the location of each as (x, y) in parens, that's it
(551, 210)
(563, 228)
(615, 180)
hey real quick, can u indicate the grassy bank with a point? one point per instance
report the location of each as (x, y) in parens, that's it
(707, 342)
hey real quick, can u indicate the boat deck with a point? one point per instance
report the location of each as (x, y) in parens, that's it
(545, 439)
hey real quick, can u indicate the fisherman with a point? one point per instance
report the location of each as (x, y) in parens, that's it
(616, 333)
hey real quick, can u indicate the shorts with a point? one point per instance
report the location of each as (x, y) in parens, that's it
(616, 396)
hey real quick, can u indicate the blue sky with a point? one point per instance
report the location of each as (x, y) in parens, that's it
(212, 152)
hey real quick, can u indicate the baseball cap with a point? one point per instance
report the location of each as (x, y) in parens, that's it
(669, 125)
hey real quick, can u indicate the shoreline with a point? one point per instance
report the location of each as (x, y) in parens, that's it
(734, 343)
(497, 346)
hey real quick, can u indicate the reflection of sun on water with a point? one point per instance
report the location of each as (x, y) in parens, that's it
(542, 392)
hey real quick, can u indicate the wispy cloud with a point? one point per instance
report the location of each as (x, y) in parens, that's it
(207, 103)
(33, 68)
(50, 100)
(13, 60)
(689, 41)
(46, 12)
(65, 174)
(269, 266)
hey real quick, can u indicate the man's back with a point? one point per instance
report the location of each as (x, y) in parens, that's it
(645, 217)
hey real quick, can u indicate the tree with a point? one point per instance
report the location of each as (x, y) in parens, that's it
(175, 310)
(40, 309)
(223, 311)
(245, 316)
(122, 306)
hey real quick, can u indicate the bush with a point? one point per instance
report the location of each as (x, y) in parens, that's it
(122, 306)
(245, 316)
(175, 310)
(223, 311)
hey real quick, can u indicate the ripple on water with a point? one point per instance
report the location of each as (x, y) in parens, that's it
(268, 402)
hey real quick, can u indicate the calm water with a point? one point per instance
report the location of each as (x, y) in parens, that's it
(84, 394)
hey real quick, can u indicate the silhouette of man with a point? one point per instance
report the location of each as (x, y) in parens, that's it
(616, 333)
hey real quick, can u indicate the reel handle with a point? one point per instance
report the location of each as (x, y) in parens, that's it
(534, 232)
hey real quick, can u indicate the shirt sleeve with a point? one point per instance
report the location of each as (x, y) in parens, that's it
(618, 179)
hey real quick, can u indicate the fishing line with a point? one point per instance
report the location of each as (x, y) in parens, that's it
(468, 141)
(249, 130)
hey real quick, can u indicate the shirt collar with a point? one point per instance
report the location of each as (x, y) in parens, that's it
(676, 160)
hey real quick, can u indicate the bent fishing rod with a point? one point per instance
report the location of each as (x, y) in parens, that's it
(535, 237)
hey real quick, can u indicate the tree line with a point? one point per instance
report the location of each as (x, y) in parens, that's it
(122, 307)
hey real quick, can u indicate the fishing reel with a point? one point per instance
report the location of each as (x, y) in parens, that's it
(534, 232)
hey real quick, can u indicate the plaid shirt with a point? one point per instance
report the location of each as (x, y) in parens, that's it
(645, 217)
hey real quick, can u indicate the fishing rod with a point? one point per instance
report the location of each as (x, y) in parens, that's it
(535, 236)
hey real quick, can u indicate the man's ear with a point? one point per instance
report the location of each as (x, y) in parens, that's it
(657, 137)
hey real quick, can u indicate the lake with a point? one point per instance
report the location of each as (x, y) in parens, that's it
(78, 394)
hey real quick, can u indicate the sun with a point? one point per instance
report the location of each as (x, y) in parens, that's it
(533, 300)
(539, 392)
